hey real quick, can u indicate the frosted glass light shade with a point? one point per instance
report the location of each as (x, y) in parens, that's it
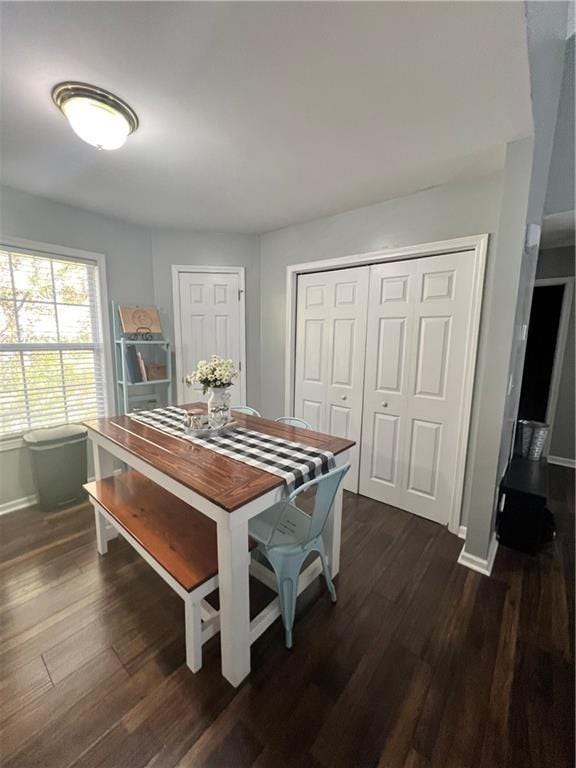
(96, 123)
(97, 116)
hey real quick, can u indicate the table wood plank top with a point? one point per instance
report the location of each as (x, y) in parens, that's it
(225, 482)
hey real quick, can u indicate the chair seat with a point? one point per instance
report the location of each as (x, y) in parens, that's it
(290, 533)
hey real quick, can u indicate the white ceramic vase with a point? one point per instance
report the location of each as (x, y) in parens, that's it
(219, 406)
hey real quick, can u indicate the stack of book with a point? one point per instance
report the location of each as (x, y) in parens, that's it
(135, 365)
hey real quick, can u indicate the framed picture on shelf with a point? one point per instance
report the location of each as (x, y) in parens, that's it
(139, 319)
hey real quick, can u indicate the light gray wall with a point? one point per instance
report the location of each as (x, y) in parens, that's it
(126, 246)
(128, 270)
(560, 192)
(546, 24)
(499, 314)
(138, 268)
(442, 213)
(547, 46)
(212, 249)
(525, 183)
(559, 262)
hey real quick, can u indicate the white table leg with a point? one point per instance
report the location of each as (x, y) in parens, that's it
(233, 565)
(333, 533)
(103, 467)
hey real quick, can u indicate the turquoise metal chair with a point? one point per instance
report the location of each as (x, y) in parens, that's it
(286, 535)
(294, 421)
(245, 409)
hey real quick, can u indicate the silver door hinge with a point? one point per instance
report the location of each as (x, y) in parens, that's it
(240, 292)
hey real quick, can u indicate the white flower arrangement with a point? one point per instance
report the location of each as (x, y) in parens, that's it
(216, 372)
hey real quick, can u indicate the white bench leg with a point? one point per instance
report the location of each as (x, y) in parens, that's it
(193, 630)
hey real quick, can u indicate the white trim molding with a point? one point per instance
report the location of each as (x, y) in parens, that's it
(562, 462)
(52, 249)
(462, 532)
(479, 564)
(178, 269)
(476, 243)
(16, 504)
(11, 444)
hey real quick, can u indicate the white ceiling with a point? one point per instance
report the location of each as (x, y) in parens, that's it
(257, 115)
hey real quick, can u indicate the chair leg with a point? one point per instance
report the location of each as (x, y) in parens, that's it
(287, 594)
(327, 576)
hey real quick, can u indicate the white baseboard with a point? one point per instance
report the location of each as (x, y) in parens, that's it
(562, 462)
(479, 564)
(462, 532)
(27, 501)
(16, 504)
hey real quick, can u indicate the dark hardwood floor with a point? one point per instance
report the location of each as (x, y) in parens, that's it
(422, 663)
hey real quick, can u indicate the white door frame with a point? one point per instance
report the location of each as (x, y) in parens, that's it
(177, 270)
(478, 244)
(561, 339)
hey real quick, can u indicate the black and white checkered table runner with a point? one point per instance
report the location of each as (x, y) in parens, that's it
(295, 462)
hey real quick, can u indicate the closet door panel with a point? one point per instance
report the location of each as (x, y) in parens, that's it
(443, 286)
(418, 324)
(330, 353)
(311, 350)
(389, 332)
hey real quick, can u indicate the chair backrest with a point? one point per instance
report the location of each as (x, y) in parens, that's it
(326, 488)
(245, 409)
(294, 421)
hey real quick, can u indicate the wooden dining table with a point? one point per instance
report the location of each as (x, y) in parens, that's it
(230, 493)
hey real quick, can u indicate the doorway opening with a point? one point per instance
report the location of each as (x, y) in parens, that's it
(547, 331)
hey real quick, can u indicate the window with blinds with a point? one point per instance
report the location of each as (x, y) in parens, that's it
(51, 351)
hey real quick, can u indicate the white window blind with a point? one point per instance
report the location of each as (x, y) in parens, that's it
(51, 351)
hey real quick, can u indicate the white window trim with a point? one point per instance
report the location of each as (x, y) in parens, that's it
(34, 247)
(177, 270)
(476, 243)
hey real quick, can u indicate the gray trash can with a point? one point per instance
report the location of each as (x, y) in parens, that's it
(58, 457)
(533, 436)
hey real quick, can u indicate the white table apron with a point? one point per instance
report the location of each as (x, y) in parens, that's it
(237, 632)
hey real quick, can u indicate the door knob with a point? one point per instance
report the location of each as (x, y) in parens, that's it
(344, 397)
(384, 405)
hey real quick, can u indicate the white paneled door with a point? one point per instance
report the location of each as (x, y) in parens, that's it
(210, 322)
(418, 325)
(330, 355)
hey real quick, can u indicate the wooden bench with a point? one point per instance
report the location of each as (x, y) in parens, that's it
(174, 538)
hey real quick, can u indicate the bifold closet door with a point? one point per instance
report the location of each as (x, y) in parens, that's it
(330, 355)
(419, 316)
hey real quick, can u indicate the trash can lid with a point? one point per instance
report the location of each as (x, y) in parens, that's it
(54, 434)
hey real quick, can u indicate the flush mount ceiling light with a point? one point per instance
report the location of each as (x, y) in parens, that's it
(95, 115)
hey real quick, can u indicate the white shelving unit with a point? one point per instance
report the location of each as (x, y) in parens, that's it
(134, 393)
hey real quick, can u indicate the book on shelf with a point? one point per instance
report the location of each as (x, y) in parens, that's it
(132, 365)
(141, 367)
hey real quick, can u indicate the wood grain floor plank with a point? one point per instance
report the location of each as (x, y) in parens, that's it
(54, 707)
(20, 687)
(420, 664)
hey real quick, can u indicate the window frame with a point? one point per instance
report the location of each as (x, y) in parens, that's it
(36, 248)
